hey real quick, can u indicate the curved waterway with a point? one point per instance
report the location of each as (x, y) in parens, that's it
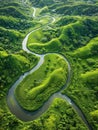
(24, 115)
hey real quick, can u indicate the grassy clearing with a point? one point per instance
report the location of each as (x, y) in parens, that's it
(40, 85)
(44, 20)
(35, 37)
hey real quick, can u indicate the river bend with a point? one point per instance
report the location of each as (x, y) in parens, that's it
(24, 115)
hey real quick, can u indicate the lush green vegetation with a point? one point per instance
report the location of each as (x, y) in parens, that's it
(43, 35)
(13, 61)
(78, 41)
(56, 118)
(83, 54)
(44, 40)
(91, 49)
(53, 46)
(45, 81)
(15, 22)
(12, 65)
(57, 41)
(74, 35)
(78, 9)
(59, 118)
(12, 31)
(42, 3)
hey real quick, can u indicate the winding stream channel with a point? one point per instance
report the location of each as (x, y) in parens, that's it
(24, 115)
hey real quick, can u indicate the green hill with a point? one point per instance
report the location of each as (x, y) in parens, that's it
(90, 77)
(15, 19)
(78, 9)
(91, 49)
(12, 11)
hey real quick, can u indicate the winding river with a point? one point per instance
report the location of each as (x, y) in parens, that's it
(24, 115)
